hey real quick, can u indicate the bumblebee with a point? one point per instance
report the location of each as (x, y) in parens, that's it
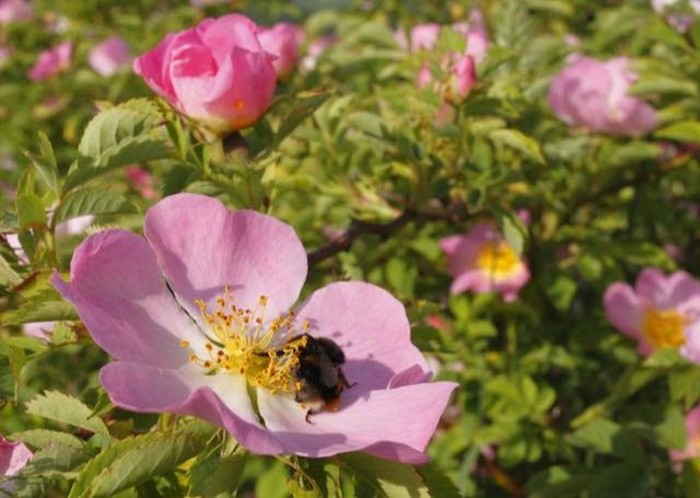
(320, 378)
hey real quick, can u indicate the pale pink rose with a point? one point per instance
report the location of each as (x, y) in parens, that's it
(199, 313)
(592, 93)
(39, 330)
(110, 56)
(425, 36)
(216, 73)
(657, 311)
(51, 62)
(692, 447)
(482, 261)
(5, 53)
(142, 180)
(459, 78)
(282, 40)
(15, 10)
(13, 457)
(675, 14)
(73, 226)
(315, 50)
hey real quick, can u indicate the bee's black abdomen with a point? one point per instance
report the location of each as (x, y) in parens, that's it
(332, 350)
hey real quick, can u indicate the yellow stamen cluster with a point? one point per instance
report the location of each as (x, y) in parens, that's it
(497, 259)
(242, 342)
(663, 328)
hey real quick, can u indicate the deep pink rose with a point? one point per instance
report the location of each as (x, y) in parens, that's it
(592, 93)
(282, 40)
(142, 181)
(657, 312)
(216, 73)
(456, 83)
(13, 457)
(51, 62)
(482, 261)
(15, 10)
(109, 56)
(226, 327)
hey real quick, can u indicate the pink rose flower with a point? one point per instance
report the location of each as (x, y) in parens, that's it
(315, 50)
(282, 40)
(15, 10)
(228, 327)
(692, 447)
(5, 53)
(676, 17)
(51, 62)
(425, 36)
(142, 181)
(459, 79)
(216, 73)
(110, 56)
(657, 311)
(13, 457)
(482, 261)
(593, 94)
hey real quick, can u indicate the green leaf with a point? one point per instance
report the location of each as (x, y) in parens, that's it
(8, 277)
(519, 141)
(682, 131)
(604, 436)
(60, 407)
(394, 479)
(92, 201)
(44, 306)
(56, 458)
(304, 105)
(45, 165)
(134, 460)
(41, 438)
(30, 210)
(625, 480)
(559, 482)
(211, 476)
(439, 484)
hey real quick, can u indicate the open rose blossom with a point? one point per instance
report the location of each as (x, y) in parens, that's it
(593, 94)
(282, 40)
(51, 62)
(482, 261)
(15, 10)
(13, 457)
(110, 56)
(216, 73)
(228, 327)
(657, 311)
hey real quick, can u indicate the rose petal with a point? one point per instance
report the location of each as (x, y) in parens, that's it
(370, 326)
(202, 246)
(220, 399)
(404, 416)
(120, 295)
(623, 309)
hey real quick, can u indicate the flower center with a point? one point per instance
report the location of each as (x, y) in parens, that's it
(242, 342)
(663, 328)
(497, 258)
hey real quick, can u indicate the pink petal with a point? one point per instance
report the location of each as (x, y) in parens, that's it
(228, 32)
(405, 416)
(369, 325)
(120, 294)
(623, 309)
(13, 457)
(654, 288)
(202, 246)
(154, 68)
(220, 399)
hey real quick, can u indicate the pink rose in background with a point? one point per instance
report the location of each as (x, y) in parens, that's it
(13, 457)
(282, 40)
(238, 274)
(216, 73)
(51, 62)
(692, 447)
(5, 53)
(459, 78)
(482, 261)
(592, 93)
(15, 10)
(676, 17)
(425, 36)
(657, 311)
(142, 181)
(315, 50)
(110, 56)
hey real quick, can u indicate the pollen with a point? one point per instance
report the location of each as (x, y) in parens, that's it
(244, 342)
(497, 259)
(663, 328)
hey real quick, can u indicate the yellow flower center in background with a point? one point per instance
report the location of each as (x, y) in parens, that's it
(663, 328)
(497, 259)
(242, 342)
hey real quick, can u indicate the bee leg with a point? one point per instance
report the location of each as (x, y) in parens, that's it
(308, 415)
